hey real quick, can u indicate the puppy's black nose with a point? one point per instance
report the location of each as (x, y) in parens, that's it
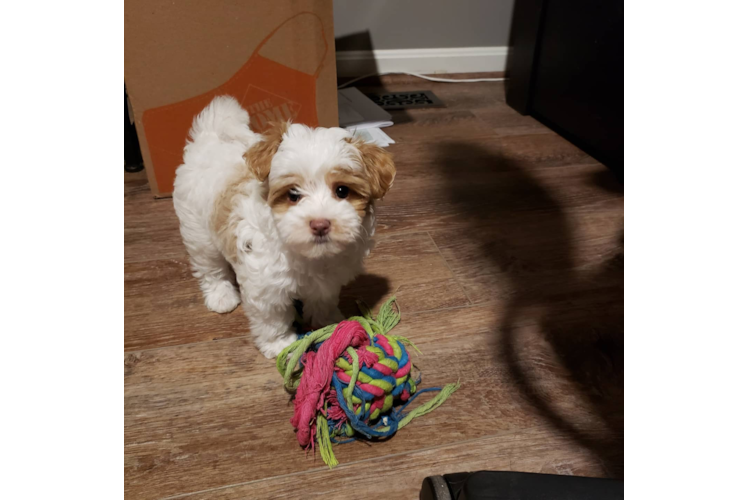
(320, 227)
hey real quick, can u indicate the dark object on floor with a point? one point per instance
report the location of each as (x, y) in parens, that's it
(565, 68)
(407, 99)
(488, 485)
(133, 157)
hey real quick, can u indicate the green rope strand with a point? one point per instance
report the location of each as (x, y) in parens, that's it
(433, 404)
(324, 442)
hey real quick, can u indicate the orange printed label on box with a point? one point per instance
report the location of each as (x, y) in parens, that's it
(270, 90)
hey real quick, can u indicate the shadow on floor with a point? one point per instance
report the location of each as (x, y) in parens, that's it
(569, 364)
(370, 288)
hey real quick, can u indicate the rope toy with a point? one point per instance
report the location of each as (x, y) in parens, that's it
(352, 380)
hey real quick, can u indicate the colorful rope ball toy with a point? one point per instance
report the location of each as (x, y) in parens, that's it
(353, 380)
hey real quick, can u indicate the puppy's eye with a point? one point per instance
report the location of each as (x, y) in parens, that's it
(342, 192)
(294, 196)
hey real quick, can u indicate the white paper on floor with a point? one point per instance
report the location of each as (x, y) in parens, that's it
(375, 135)
(355, 110)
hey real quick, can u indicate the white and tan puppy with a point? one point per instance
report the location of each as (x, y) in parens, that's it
(285, 215)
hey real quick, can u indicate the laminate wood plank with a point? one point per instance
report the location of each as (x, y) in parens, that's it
(151, 229)
(532, 253)
(433, 126)
(506, 121)
(477, 156)
(486, 101)
(205, 415)
(164, 305)
(409, 266)
(463, 197)
(400, 477)
(135, 183)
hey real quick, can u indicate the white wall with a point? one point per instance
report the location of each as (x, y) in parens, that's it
(424, 36)
(418, 24)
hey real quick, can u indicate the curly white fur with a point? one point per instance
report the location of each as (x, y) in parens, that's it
(276, 258)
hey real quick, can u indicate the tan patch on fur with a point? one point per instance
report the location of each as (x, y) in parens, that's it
(359, 195)
(260, 155)
(223, 225)
(378, 165)
(257, 160)
(278, 192)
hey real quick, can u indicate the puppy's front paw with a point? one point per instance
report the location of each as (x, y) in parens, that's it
(222, 298)
(271, 349)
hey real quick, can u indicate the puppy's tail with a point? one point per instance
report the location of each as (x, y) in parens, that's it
(223, 117)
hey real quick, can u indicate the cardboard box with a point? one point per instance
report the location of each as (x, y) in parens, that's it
(277, 57)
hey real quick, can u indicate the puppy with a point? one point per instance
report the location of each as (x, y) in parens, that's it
(285, 215)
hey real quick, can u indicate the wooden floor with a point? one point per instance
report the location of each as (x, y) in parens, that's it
(504, 245)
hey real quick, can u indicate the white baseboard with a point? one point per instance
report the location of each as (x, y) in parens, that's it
(426, 61)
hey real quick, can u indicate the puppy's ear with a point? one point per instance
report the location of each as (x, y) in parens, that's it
(259, 156)
(378, 166)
